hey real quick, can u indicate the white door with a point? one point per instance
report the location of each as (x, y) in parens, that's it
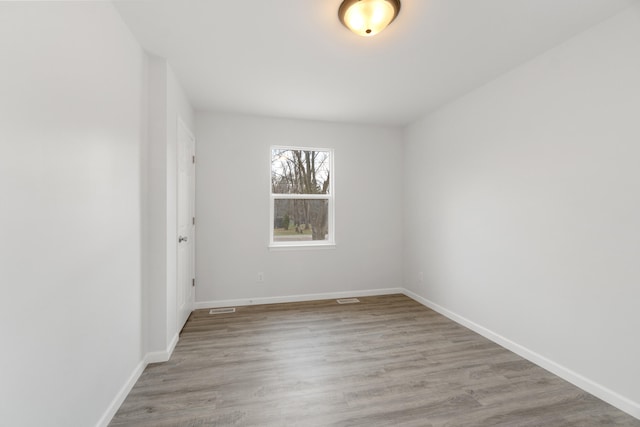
(185, 292)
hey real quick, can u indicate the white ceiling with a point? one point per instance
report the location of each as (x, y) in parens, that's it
(293, 58)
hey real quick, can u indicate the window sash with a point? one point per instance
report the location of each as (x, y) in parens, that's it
(301, 196)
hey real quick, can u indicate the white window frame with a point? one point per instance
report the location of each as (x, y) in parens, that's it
(330, 243)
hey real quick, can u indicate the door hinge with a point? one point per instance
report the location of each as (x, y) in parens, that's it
(193, 282)
(193, 220)
(193, 159)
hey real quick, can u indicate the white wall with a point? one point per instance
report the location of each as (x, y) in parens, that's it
(71, 126)
(155, 292)
(523, 211)
(232, 212)
(167, 103)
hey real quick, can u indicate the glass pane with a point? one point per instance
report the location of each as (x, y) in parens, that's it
(300, 171)
(299, 220)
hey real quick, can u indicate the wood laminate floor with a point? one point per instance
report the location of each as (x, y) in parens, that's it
(387, 361)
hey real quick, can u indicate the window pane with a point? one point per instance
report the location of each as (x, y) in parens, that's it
(299, 220)
(300, 171)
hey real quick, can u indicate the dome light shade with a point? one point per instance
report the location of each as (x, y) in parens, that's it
(368, 17)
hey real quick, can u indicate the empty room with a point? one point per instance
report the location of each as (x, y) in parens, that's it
(320, 213)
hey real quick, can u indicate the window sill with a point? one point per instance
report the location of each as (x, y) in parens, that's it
(301, 247)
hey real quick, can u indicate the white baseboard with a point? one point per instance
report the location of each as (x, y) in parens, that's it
(162, 356)
(627, 405)
(172, 345)
(157, 357)
(296, 298)
(122, 395)
(151, 357)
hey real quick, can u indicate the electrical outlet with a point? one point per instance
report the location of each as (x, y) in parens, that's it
(421, 277)
(260, 277)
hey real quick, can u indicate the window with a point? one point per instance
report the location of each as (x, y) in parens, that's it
(301, 197)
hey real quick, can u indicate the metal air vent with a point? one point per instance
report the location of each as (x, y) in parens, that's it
(347, 300)
(222, 310)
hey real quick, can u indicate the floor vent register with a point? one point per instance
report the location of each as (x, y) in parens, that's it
(348, 300)
(222, 310)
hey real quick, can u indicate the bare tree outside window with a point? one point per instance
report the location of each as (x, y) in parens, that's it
(301, 194)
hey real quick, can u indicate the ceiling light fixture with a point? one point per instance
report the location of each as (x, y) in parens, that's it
(368, 17)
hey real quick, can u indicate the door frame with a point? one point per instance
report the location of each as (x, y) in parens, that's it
(182, 127)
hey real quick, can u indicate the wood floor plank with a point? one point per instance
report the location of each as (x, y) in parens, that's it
(385, 361)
